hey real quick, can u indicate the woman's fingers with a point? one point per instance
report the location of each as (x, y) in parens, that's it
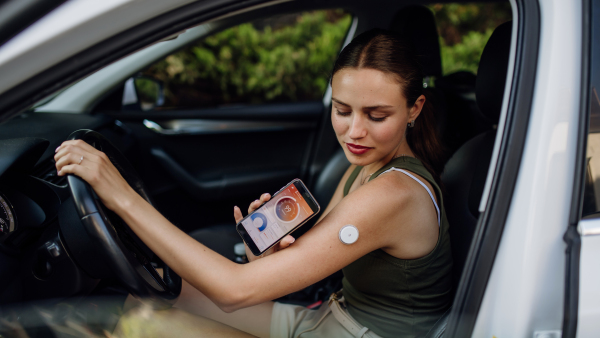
(76, 152)
(253, 206)
(285, 242)
(237, 214)
(78, 144)
(256, 204)
(72, 158)
(81, 159)
(75, 170)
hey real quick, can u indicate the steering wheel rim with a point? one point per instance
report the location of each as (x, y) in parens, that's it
(127, 256)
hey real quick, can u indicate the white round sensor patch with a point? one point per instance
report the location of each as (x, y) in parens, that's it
(348, 234)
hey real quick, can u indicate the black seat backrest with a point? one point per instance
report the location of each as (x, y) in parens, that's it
(465, 173)
(417, 24)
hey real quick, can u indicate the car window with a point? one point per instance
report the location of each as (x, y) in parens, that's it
(464, 29)
(285, 58)
(591, 199)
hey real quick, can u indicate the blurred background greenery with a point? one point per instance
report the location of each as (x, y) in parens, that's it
(282, 59)
(464, 30)
(288, 58)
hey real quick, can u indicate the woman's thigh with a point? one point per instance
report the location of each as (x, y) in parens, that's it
(255, 320)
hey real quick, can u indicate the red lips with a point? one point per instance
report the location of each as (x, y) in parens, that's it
(357, 149)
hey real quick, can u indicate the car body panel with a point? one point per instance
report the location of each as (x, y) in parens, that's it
(526, 287)
(525, 291)
(53, 39)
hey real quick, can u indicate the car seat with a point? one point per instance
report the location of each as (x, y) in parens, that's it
(465, 173)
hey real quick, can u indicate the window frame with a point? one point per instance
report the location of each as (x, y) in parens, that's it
(488, 232)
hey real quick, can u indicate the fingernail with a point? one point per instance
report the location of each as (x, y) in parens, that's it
(293, 240)
(58, 173)
(56, 151)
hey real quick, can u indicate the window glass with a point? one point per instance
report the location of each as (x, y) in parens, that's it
(464, 30)
(591, 199)
(286, 58)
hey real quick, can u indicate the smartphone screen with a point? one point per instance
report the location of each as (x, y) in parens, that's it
(280, 215)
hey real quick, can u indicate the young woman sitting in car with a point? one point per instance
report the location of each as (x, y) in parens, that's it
(397, 275)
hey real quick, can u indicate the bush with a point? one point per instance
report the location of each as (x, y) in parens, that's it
(249, 64)
(466, 54)
(465, 29)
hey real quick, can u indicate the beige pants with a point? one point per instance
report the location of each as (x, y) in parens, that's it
(330, 320)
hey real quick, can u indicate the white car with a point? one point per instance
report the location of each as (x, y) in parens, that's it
(522, 182)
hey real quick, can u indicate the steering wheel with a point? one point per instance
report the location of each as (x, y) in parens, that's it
(121, 250)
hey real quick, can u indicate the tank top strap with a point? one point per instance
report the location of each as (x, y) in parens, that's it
(351, 179)
(437, 209)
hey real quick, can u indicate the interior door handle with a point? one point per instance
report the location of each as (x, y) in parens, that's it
(202, 126)
(224, 187)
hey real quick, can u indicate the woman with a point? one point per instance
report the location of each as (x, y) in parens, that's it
(397, 275)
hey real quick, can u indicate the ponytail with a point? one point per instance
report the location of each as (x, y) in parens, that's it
(424, 141)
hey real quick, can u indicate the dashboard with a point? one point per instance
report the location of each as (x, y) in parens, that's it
(35, 260)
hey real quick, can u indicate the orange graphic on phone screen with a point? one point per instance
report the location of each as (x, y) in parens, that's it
(286, 209)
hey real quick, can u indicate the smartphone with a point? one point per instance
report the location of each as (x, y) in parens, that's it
(290, 207)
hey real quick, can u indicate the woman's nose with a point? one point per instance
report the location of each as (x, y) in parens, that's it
(357, 128)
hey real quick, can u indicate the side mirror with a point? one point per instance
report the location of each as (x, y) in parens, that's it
(143, 93)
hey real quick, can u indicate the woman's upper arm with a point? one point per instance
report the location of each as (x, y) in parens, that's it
(338, 194)
(319, 252)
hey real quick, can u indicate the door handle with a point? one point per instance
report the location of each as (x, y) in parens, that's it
(203, 126)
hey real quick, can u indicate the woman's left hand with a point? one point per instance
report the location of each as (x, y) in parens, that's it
(81, 159)
(284, 243)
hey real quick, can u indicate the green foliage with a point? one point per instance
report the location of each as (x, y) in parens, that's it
(465, 29)
(466, 54)
(249, 64)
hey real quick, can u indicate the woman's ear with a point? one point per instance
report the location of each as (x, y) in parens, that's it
(416, 108)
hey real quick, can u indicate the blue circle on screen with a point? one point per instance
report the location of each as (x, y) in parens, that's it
(262, 217)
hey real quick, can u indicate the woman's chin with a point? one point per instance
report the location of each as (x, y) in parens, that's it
(359, 160)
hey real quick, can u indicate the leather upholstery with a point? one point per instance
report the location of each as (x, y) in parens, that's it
(465, 173)
(418, 24)
(491, 74)
(329, 178)
(464, 180)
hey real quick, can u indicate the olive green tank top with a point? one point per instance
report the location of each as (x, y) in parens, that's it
(396, 297)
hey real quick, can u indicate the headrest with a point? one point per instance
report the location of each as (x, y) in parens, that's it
(491, 74)
(417, 23)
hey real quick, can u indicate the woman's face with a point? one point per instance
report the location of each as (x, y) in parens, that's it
(370, 115)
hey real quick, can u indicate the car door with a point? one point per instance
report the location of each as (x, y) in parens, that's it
(582, 275)
(16, 15)
(232, 115)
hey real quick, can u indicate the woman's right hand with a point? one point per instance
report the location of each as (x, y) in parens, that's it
(284, 243)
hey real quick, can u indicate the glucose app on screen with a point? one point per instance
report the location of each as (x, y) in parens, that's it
(277, 217)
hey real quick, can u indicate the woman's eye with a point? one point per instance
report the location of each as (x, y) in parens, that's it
(343, 113)
(376, 119)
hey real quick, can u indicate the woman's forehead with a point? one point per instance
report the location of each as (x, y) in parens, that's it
(366, 87)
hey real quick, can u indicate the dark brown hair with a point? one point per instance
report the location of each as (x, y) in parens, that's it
(391, 53)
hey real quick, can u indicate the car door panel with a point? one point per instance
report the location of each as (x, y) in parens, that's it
(216, 158)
